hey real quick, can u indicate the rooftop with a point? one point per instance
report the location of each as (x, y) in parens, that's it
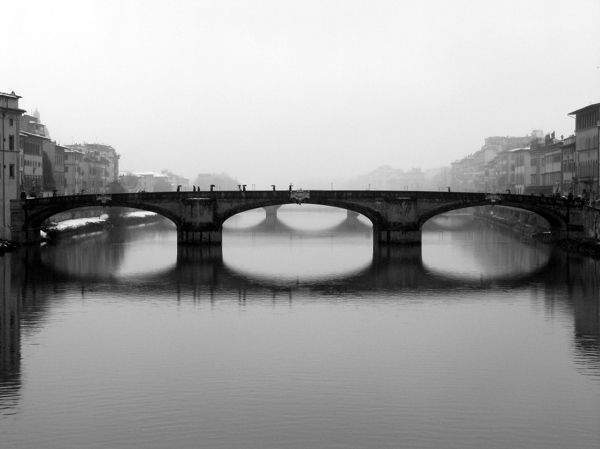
(11, 95)
(595, 105)
(72, 150)
(27, 133)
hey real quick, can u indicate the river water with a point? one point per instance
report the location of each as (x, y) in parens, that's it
(296, 334)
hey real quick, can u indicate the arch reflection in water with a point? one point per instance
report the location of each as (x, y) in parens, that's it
(393, 269)
(482, 252)
(297, 259)
(287, 244)
(287, 257)
(119, 252)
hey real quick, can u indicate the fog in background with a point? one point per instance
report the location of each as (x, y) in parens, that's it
(279, 91)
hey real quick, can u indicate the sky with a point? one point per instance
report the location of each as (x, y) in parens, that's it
(280, 91)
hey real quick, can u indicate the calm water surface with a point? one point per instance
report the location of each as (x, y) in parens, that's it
(298, 335)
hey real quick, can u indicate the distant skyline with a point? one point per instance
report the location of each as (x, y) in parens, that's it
(278, 91)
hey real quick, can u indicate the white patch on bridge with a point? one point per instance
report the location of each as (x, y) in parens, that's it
(300, 195)
(104, 198)
(493, 198)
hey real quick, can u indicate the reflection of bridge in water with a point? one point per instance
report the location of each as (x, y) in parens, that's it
(391, 269)
(32, 278)
(204, 269)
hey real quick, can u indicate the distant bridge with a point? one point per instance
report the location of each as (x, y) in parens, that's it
(397, 216)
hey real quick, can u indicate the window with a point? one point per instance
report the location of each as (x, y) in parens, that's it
(11, 171)
(11, 142)
(11, 122)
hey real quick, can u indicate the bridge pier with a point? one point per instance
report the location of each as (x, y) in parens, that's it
(27, 236)
(33, 236)
(271, 215)
(396, 236)
(199, 237)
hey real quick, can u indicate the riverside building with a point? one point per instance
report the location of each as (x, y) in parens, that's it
(10, 117)
(587, 148)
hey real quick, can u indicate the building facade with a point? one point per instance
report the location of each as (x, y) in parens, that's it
(32, 174)
(488, 169)
(10, 159)
(43, 159)
(587, 148)
(568, 170)
(73, 171)
(59, 169)
(518, 169)
(552, 161)
(99, 166)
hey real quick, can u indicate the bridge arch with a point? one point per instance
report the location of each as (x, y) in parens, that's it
(38, 218)
(27, 221)
(371, 214)
(557, 221)
(298, 219)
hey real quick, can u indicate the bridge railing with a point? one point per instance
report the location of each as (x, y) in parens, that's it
(498, 198)
(539, 200)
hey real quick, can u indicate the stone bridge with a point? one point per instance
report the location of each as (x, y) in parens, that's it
(397, 216)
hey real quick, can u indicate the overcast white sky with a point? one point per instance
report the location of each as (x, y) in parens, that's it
(277, 91)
